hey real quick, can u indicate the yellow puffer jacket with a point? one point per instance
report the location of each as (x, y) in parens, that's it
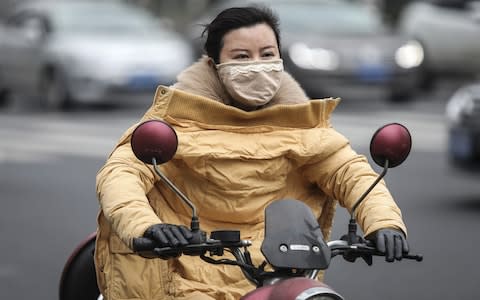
(231, 164)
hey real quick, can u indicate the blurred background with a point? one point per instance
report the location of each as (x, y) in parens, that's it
(75, 74)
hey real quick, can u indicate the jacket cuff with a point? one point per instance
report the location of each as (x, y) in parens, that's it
(393, 224)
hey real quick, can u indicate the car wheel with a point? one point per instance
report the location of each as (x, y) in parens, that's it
(427, 80)
(4, 98)
(398, 96)
(54, 92)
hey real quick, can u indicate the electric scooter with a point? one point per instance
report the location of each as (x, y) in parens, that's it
(294, 248)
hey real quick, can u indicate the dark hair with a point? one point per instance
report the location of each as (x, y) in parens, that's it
(234, 18)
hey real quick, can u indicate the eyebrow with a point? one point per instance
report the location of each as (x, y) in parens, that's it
(238, 50)
(241, 49)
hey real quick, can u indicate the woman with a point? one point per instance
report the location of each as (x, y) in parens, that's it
(248, 135)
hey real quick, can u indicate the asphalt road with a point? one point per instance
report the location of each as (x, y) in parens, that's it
(48, 164)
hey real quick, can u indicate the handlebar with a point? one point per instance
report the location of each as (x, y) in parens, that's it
(257, 274)
(217, 248)
(341, 247)
(214, 247)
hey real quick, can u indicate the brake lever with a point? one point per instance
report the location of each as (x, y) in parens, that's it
(367, 258)
(370, 247)
(215, 247)
(190, 249)
(355, 251)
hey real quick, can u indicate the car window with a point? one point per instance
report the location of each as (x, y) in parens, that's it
(30, 24)
(103, 18)
(20, 18)
(335, 19)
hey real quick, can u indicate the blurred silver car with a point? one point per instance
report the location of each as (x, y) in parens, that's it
(463, 115)
(341, 49)
(449, 30)
(3, 89)
(67, 52)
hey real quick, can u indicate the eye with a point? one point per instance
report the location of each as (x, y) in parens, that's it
(241, 56)
(268, 54)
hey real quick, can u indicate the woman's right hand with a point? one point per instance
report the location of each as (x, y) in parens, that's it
(162, 235)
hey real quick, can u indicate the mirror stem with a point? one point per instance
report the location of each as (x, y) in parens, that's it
(352, 237)
(362, 197)
(195, 226)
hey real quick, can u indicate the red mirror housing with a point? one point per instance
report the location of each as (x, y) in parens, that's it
(154, 139)
(391, 142)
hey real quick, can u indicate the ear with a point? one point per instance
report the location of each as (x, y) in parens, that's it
(211, 63)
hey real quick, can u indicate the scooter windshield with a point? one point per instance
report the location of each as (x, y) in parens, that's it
(293, 238)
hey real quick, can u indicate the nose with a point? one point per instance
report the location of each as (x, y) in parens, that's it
(256, 57)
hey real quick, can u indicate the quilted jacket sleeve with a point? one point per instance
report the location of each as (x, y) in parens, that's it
(345, 175)
(122, 184)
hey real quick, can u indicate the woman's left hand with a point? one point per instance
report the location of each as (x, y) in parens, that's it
(391, 242)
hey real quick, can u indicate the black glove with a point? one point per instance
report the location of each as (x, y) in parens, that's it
(163, 235)
(391, 242)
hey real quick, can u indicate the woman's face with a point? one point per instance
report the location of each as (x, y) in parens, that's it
(257, 42)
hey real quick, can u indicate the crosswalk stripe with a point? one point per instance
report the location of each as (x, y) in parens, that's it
(30, 138)
(429, 132)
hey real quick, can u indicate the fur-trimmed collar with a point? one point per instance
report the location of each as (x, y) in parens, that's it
(201, 79)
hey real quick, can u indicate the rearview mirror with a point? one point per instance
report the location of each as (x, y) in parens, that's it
(389, 147)
(154, 140)
(391, 142)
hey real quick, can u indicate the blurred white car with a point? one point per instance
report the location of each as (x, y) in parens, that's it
(449, 30)
(463, 115)
(95, 52)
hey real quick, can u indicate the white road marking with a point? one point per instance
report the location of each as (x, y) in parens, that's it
(429, 132)
(37, 138)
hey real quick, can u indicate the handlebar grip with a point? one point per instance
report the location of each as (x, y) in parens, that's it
(417, 257)
(372, 247)
(142, 244)
(167, 252)
(172, 252)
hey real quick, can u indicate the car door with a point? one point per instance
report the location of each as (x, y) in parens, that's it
(460, 30)
(474, 17)
(21, 51)
(449, 31)
(3, 87)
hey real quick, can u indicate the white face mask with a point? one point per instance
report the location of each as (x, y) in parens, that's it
(252, 83)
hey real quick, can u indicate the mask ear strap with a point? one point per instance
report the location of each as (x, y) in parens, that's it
(211, 63)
